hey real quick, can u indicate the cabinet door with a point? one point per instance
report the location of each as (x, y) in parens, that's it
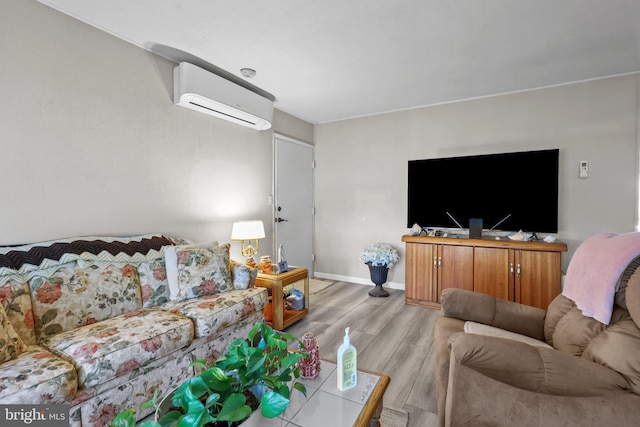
(419, 274)
(537, 277)
(455, 267)
(493, 272)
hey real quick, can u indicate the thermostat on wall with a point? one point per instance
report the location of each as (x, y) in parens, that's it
(584, 169)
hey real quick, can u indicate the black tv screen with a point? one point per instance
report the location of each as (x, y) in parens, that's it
(521, 185)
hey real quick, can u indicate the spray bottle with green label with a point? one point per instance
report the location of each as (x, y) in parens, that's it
(347, 364)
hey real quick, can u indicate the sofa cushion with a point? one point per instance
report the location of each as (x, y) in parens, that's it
(618, 348)
(482, 308)
(113, 347)
(164, 375)
(478, 400)
(16, 300)
(619, 297)
(154, 285)
(171, 262)
(200, 271)
(243, 276)
(37, 376)
(444, 329)
(569, 331)
(69, 296)
(574, 331)
(560, 306)
(632, 297)
(532, 368)
(10, 343)
(213, 312)
(482, 329)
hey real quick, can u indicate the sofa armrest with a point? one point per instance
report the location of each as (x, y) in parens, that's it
(578, 399)
(537, 369)
(519, 318)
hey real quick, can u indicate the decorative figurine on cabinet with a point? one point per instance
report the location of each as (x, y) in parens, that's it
(282, 263)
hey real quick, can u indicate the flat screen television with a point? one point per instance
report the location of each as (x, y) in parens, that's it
(521, 187)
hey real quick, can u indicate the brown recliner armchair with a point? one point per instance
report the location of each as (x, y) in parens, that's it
(588, 375)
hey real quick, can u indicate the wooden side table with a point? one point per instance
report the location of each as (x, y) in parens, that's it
(282, 317)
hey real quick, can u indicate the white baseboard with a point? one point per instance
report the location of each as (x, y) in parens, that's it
(359, 280)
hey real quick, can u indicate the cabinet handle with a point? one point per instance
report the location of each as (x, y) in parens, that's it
(435, 261)
(511, 268)
(518, 269)
(439, 262)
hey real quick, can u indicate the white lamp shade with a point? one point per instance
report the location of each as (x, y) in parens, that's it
(247, 230)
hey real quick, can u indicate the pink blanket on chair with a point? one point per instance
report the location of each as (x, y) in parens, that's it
(595, 270)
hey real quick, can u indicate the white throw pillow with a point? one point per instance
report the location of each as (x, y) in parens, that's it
(171, 264)
(482, 329)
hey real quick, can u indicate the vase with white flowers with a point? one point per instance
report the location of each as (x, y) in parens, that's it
(379, 257)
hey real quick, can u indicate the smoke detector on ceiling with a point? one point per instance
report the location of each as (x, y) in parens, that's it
(248, 73)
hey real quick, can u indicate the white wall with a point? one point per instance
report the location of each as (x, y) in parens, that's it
(91, 142)
(361, 174)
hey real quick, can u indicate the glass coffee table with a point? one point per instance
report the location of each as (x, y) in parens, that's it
(325, 405)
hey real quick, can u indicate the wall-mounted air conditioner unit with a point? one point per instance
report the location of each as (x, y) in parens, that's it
(201, 90)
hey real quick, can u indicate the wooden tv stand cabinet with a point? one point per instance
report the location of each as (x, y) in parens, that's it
(524, 272)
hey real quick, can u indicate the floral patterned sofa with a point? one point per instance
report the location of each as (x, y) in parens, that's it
(100, 323)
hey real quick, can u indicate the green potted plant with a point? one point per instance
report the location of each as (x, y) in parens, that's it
(379, 257)
(218, 394)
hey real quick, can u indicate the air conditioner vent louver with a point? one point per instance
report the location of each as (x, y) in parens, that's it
(200, 90)
(221, 112)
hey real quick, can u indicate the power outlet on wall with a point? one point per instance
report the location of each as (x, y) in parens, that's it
(584, 169)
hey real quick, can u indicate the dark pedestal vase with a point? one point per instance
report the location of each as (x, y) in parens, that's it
(379, 277)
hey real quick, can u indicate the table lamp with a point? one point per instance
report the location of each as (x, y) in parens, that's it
(246, 231)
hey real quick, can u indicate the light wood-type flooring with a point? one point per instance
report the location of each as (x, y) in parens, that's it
(390, 337)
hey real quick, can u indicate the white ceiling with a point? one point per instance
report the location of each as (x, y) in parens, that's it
(328, 60)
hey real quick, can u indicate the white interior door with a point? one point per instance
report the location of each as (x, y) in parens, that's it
(293, 201)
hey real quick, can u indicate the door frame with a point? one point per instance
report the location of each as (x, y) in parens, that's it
(274, 192)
